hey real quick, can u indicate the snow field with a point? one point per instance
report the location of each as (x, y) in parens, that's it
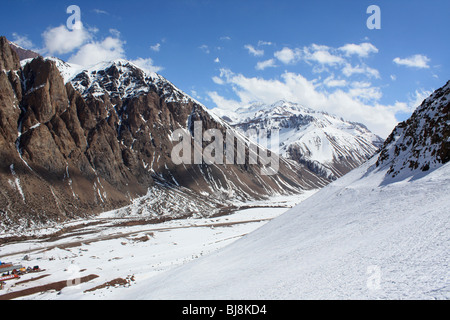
(140, 252)
(355, 239)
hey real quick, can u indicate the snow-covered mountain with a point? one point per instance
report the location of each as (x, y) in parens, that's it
(326, 144)
(79, 141)
(364, 236)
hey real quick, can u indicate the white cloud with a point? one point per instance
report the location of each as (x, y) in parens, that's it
(253, 51)
(287, 55)
(156, 47)
(349, 70)
(393, 77)
(110, 48)
(312, 54)
(97, 51)
(218, 80)
(331, 82)
(195, 94)
(417, 98)
(205, 48)
(61, 40)
(365, 93)
(224, 104)
(361, 84)
(324, 57)
(87, 50)
(115, 32)
(416, 61)
(362, 50)
(22, 41)
(225, 38)
(359, 102)
(321, 54)
(217, 60)
(336, 83)
(413, 101)
(265, 64)
(146, 64)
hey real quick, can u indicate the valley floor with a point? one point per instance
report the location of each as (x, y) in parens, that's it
(99, 259)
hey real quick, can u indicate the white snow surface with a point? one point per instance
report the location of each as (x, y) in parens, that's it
(358, 238)
(135, 251)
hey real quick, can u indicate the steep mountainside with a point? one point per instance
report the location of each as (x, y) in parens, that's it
(22, 52)
(364, 236)
(326, 144)
(77, 142)
(421, 143)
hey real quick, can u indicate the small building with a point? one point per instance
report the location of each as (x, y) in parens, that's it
(8, 267)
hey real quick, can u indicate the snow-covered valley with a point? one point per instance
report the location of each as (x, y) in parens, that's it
(124, 252)
(358, 238)
(362, 237)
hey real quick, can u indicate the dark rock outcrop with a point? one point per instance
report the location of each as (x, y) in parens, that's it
(422, 142)
(9, 59)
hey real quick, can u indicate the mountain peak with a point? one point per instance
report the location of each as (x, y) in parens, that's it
(121, 79)
(326, 144)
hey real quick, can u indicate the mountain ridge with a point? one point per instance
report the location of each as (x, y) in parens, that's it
(326, 144)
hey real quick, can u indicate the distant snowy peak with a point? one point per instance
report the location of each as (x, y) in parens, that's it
(326, 144)
(259, 110)
(423, 141)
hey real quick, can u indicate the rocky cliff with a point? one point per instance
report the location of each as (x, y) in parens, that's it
(422, 142)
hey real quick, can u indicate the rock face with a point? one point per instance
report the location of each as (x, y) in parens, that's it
(45, 174)
(422, 142)
(103, 140)
(22, 52)
(9, 59)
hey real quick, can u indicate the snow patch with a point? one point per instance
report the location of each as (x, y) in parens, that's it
(17, 182)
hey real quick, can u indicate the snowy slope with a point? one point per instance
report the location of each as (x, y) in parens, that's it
(364, 236)
(326, 144)
(352, 240)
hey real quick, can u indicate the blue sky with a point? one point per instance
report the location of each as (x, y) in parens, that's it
(229, 53)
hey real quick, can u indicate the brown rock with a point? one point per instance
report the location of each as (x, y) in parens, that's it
(9, 60)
